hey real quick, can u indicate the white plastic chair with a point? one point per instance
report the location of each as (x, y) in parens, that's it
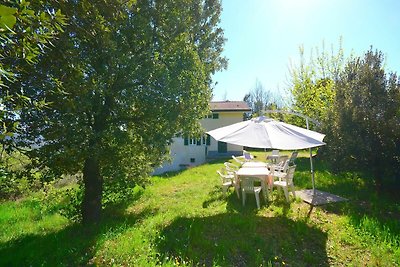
(247, 186)
(227, 180)
(274, 156)
(237, 160)
(230, 167)
(285, 181)
(283, 165)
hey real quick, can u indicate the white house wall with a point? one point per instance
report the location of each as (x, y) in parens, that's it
(182, 155)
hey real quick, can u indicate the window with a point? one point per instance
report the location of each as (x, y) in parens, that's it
(192, 160)
(192, 141)
(204, 140)
(215, 116)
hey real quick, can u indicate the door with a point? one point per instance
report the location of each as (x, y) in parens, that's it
(222, 147)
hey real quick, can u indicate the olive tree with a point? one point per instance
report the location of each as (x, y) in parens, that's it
(124, 79)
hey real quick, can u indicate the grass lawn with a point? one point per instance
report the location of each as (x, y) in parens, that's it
(184, 219)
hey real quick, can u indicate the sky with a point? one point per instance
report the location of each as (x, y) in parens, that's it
(264, 36)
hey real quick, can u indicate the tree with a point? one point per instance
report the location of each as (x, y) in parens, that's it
(125, 78)
(312, 83)
(365, 128)
(258, 99)
(26, 32)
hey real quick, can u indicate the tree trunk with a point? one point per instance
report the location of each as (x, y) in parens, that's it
(93, 182)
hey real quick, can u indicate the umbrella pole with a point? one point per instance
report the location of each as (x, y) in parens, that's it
(311, 163)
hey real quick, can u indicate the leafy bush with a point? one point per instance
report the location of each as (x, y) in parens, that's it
(65, 201)
(14, 185)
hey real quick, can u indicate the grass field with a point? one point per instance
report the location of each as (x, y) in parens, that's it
(184, 219)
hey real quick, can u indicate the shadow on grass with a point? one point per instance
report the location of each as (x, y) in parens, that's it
(211, 162)
(74, 245)
(233, 239)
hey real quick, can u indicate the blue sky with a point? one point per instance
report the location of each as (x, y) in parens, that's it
(263, 37)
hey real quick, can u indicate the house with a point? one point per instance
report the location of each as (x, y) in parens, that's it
(186, 152)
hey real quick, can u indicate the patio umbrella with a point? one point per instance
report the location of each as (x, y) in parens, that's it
(262, 132)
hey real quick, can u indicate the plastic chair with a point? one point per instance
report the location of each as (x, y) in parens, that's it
(247, 156)
(247, 186)
(274, 156)
(230, 167)
(283, 164)
(227, 180)
(286, 181)
(237, 160)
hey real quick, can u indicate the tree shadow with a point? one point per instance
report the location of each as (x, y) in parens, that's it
(74, 245)
(242, 239)
(171, 174)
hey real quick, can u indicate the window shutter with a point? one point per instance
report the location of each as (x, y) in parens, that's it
(186, 141)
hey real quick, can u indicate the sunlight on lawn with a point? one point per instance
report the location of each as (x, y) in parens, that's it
(184, 219)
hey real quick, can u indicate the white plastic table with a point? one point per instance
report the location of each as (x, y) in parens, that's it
(254, 164)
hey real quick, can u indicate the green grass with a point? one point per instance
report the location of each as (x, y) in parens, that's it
(184, 219)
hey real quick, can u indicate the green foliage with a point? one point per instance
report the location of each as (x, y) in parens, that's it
(125, 78)
(357, 104)
(365, 119)
(14, 186)
(16, 180)
(184, 219)
(66, 200)
(117, 191)
(312, 84)
(27, 30)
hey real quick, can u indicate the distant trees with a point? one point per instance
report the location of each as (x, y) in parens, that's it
(123, 79)
(258, 99)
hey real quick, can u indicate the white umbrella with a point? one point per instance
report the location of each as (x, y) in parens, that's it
(268, 133)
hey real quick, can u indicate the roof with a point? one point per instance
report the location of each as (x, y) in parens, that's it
(229, 106)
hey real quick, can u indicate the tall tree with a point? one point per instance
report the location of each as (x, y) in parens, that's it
(365, 128)
(125, 78)
(312, 82)
(26, 32)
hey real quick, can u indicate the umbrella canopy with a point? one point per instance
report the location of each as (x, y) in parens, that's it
(268, 133)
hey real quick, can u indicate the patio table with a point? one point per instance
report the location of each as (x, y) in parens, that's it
(261, 173)
(255, 164)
